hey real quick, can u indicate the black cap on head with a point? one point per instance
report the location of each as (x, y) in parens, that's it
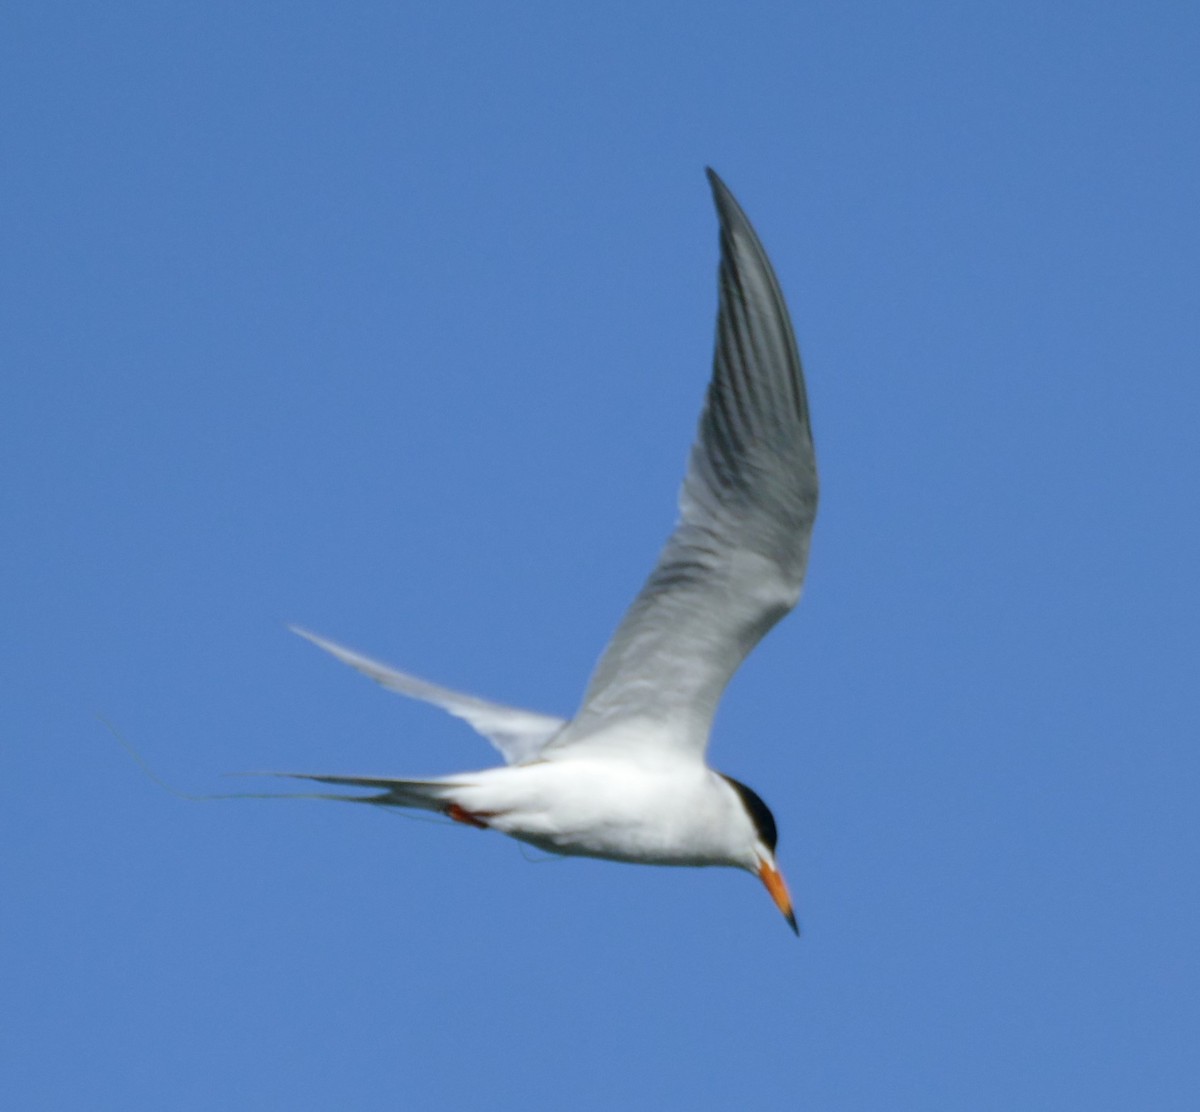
(759, 812)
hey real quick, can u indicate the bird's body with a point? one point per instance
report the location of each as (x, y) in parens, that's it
(626, 778)
(595, 806)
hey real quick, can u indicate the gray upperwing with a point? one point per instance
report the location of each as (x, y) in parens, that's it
(735, 563)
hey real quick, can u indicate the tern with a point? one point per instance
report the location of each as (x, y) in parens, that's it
(626, 778)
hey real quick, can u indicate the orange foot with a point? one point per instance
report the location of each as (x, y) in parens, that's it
(465, 817)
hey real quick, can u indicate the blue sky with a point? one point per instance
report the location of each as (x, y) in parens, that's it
(395, 323)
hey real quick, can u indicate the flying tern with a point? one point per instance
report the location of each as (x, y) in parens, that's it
(626, 778)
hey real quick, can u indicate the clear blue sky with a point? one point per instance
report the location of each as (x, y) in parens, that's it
(394, 321)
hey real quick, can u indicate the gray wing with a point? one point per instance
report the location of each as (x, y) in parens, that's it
(735, 564)
(519, 734)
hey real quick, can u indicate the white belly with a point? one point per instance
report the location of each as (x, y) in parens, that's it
(675, 815)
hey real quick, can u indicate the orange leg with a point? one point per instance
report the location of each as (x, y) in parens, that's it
(466, 818)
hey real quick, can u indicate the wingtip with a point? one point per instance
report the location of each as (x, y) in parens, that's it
(307, 634)
(716, 184)
(730, 213)
(343, 654)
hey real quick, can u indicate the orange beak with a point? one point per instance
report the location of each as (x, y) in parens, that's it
(773, 879)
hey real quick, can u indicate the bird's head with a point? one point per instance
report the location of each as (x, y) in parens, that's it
(760, 859)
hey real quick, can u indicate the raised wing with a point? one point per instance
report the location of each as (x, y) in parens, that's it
(519, 734)
(735, 564)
